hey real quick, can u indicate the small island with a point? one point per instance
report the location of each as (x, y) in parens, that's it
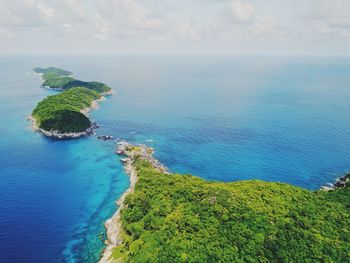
(166, 217)
(65, 115)
(59, 79)
(53, 70)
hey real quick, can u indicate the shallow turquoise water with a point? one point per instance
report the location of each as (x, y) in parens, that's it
(233, 118)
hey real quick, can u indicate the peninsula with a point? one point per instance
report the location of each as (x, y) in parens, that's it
(165, 217)
(65, 115)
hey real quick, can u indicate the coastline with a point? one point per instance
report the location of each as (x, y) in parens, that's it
(94, 106)
(72, 135)
(57, 135)
(129, 153)
(114, 225)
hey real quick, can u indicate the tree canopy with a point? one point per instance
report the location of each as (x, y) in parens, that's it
(61, 112)
(60, 79)
(182, 218)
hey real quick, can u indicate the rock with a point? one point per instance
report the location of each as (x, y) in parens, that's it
(340, 184)
(142, 151)
(124, 160)
(326, 188)
(94, 125)
(105, 137)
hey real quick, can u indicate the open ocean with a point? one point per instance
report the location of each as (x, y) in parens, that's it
(222, 118)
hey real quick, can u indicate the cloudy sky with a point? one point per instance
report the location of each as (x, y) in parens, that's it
(175, 26)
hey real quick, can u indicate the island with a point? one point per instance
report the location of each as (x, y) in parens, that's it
(53, 70)
(65, 115)
(59, 79)
(167, 217)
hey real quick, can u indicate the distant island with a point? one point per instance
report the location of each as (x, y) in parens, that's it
(165, 217)
(59, 79)
(65, 115)
(53, 70)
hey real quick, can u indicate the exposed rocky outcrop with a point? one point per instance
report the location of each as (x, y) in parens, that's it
(341, 182)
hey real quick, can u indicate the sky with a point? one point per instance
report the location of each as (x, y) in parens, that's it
(290, 27)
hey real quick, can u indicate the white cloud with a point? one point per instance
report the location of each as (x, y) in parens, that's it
(45, 10)
(128, 15)
(6, 34)
(245, 21)
(219, 25)
(324, 16)
(17, 14)
(101, 19)
(267, 27)
(318, 26)
(329, 9)
(187, 30)
(241, 11)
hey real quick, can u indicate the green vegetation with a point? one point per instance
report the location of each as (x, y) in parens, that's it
(60, 79)
(182, 218)
(55, 81)
(57, 71)
(93, 85)
(62, 112)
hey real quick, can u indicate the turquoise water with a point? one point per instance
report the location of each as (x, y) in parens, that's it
(221, 118)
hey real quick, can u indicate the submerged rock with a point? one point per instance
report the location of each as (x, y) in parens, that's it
(124, 160)
(105, 137)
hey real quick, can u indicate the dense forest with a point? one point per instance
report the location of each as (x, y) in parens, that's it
(59, 79)
(53, 70)
(182, 218)
(61, 112)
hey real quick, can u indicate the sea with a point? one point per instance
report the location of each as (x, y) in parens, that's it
(222, 118)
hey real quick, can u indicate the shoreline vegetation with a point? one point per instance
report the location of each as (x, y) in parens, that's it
(114, 224)
(65, 115)
(166, 217)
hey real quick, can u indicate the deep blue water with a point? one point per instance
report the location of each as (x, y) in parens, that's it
(221, 118)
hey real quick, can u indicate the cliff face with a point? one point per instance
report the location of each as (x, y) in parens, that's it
(174, 218)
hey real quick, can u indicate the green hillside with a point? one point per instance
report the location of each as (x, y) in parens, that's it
(182, 218)
(53, 70)
(62, 112)
(55, 81)
(60, 79)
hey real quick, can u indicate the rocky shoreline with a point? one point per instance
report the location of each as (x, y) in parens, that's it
(61, 136)
(70, 135)
(128, 153)
(73, 135)
(340, 182)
